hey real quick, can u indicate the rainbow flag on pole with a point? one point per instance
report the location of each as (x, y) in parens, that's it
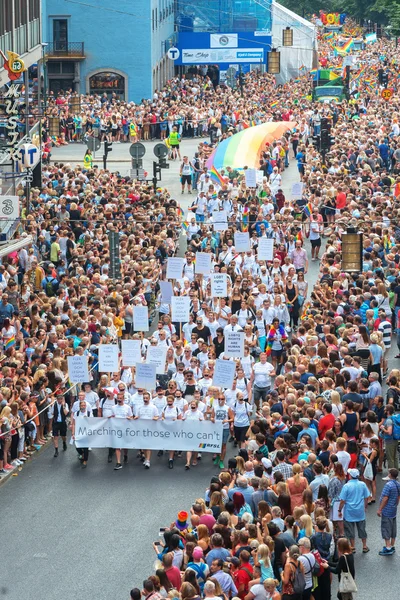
(273, 104)
(308, 209)
(216, 177)
(9, 343)
(245, 220)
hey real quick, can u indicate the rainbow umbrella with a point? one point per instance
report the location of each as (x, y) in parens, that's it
(244, 148)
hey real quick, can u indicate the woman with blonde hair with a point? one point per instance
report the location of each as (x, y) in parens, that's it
(337, 406)
(203, 537)
(306, 527)
(308, 503)
(296, 486)
(5, 430)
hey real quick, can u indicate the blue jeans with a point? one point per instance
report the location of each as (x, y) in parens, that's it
(199, 218)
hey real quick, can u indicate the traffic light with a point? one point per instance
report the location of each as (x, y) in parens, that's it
(107, 147)
(385, 79)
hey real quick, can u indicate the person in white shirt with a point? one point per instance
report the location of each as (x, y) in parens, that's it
(192, 414)
(148, 411)
(171, 413)
(92, 398)
(261, 379)
(75, 406)
(121, 411)
(83, 411)
(233, 326)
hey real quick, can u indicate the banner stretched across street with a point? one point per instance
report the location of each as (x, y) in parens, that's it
(148, 435)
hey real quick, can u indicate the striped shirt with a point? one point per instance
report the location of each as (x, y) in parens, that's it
(386, 329)
(391, 491)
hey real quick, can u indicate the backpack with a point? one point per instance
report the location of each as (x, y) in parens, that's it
(396, 426)
(299, 581)
(315, 567)
(49, 287)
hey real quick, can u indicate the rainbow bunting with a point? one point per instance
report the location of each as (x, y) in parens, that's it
(216, 177)
(273, 104)
(9, 343)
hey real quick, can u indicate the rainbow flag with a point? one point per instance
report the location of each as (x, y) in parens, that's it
(216, 177)
(345, 49)
(245, 220)
(308, 209)
(298, 237)
(271, 336)
(179, 212)
(9, 343)
(185, 225)
(273, 104)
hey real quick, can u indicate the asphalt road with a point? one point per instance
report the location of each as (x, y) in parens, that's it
(76, 534)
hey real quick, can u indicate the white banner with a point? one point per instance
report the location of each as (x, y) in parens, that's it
(250, 176)
(166, 291)
(78, 371)
(203, 263)
(141, 318)
(265, 249)
(157, 356)
(180, 308)
(108, 358)
(297, 190)
(131, 352)
(242, 241)
(224, 373)
(143, 434)
(234, 344)
(205, 56)
(220, 220)
(223, 40)
(175, 267)
(219, 285)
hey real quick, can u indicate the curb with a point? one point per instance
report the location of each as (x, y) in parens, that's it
(15, 470)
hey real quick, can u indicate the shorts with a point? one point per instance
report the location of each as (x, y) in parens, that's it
(276, 353)
(176, 147)
(59, 429)
(225, 435)
(350, 529)
(388, 528)
(186, 179)
(315, 243)
(240, 433)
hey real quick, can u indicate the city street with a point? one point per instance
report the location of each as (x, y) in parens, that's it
(83, 535)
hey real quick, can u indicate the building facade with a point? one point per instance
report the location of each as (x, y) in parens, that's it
(101, 47)
(20, 32)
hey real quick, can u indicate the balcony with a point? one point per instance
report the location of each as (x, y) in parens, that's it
(74, 50)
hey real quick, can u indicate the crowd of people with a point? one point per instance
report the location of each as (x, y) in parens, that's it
(309, 413)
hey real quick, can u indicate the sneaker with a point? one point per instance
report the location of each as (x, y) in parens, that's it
(199, 456)
(170, 464)
(387, 478)
(8, 467)
(221, 464)
(386, 551)
(117, 467)
(22, 459)
(56, 453)
(3, 471)
(16, 463)
(160, 453)
(146, 464)
(109, 458)
(216, 460)
(125, 458)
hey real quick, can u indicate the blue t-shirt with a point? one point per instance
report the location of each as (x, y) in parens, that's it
(354, 493)
(310, 431)
(216, 554)
(391, 491)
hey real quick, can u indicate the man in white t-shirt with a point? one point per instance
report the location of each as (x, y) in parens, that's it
(147, 411)
(342, 456)
(121, 411)
(260, 379)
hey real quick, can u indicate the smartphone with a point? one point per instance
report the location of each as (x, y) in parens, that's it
(162, 531)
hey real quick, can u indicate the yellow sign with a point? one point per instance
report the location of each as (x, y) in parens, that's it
(15, 63)
(386, 94)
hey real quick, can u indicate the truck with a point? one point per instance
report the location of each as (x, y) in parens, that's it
(329, 93)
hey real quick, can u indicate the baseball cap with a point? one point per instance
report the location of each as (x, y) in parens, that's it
(267, 464)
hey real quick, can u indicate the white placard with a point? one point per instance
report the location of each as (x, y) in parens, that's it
(219, 285)
(131, 352)
(175, 267)
(166, 291)
(234, 344)
(78, 370)
(224, 373)
(199, 436)
(145, 377)
(223, 40)
(141, 318)
(9, 207)
(297, 190)
(265, 248)
(180, 308)
(220, 220)
(259, 176)
(108, 358)
(157, 356)
(250, 176)
(242, 241)
(203, 263)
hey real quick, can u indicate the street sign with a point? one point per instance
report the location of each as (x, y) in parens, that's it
(29, 156)
(160, 150)
(115, 262)
(386, 94)
(137, 150)
(93, 144)
(173, 53)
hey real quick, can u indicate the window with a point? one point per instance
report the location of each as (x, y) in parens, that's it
(152, 18)
(156, 11)
(6, 12)
(34, 9)
(60, 34)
